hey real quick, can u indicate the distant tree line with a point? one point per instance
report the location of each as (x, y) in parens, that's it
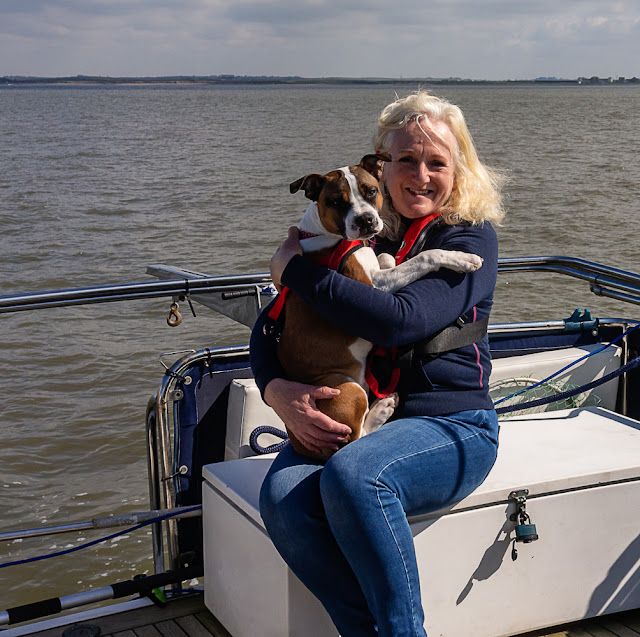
(268, 79)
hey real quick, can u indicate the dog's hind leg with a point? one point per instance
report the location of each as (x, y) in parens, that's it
(349, 408)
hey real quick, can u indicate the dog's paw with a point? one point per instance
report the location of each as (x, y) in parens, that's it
(386, 261)
(463, 261)
(381, 410)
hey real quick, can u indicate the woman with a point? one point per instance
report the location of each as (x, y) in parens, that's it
(342, 527)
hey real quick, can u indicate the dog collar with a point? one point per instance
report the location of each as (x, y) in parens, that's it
(303, 234)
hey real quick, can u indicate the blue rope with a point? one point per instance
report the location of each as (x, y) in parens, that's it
(267, 429)
(104, 539)
(548, 378)
(572, 392)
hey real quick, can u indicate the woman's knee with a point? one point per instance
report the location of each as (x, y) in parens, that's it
(290, 502)
(346, 479)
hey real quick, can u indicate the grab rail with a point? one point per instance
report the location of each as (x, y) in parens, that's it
(603, 281)
(160, 444)
(130, 291)
(601, 278)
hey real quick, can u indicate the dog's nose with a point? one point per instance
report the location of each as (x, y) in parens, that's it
(366, 222)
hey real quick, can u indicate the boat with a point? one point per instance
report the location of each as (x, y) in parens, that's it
(548, 545)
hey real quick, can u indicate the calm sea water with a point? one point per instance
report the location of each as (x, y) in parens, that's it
(98, 183)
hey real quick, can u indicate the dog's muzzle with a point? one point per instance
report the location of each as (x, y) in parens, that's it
(367, 223)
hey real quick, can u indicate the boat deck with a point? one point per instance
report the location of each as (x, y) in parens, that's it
(189, 617)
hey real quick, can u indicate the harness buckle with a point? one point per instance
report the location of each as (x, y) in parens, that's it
(270, 329)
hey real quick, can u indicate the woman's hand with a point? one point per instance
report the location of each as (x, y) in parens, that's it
(288, 249)
(295, 403)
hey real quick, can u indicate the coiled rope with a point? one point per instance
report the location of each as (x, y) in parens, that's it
(571, 392)
(267, 429)
(572, 364)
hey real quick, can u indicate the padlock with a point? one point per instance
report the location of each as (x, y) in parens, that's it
(525, 530)
(526, 533)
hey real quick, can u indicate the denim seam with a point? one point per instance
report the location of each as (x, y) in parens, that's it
(378, 485)
(404, 564)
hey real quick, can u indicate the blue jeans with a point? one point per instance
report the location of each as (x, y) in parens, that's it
(342, 527)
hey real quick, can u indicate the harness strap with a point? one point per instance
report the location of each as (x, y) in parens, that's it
(334, 260)
(415, 231)
(278, 306)
(460, 334)
(390, 354)
(452, 337)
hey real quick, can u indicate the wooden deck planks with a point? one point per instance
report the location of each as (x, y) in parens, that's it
(618, 628)
(193, 627)
(619, 625)
(147, 631)
(212, 624)
(189, 617)
(204, 624)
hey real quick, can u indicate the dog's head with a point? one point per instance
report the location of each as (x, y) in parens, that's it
(349, 199)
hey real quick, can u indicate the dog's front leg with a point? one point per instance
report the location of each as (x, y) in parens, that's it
(394, 278)
(386, 261)
(381, 410)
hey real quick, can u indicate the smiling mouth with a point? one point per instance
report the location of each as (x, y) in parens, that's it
(421, 193)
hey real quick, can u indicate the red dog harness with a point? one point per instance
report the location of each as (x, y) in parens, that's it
(334, 260)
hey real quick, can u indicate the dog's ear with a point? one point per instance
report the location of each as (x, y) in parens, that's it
(311, 184)
(373, 163)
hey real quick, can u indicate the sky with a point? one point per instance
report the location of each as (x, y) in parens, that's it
(470, 39)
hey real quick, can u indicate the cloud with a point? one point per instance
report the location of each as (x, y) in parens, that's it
(495, 39)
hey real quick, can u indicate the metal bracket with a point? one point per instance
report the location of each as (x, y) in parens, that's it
(176, 394)
(525, 530)
(520, 497)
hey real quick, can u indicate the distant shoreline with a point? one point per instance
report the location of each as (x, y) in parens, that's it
(233, 80)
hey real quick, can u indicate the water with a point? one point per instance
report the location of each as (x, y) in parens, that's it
(98, 183)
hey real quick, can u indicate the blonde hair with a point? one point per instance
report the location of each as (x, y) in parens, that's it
(476, 195)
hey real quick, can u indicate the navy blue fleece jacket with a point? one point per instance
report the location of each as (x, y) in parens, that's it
(454, 381)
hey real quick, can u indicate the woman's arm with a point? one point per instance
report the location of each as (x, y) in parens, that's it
(411, 314)
(295, 404)
(263, 354)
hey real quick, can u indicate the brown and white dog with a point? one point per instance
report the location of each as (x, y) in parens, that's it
(346, 205)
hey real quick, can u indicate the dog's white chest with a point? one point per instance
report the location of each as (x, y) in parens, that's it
(360, 350)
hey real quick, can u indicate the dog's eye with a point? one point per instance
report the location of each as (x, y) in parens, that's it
(370, 193)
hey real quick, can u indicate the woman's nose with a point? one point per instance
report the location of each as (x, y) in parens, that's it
(423, 172)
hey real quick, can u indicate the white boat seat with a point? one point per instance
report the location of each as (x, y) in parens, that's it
(245, 412)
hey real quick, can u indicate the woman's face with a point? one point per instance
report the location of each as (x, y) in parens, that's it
(419, 179)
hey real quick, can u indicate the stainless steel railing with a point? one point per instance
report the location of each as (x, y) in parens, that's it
(129, 291)
(603, 281)
(160, 438)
